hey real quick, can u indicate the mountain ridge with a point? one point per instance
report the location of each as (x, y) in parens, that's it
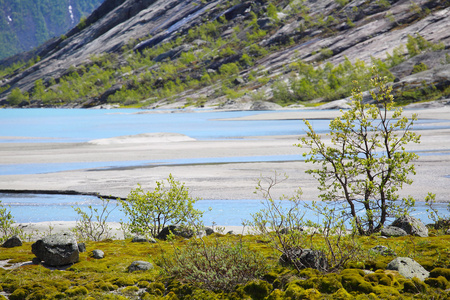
(263, 45)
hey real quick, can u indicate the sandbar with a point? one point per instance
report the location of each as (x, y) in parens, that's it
(226, 180)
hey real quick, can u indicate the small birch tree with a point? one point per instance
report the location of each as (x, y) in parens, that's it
(149, 212)
(366, 163)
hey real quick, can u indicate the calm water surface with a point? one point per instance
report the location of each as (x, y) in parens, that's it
(42, 207)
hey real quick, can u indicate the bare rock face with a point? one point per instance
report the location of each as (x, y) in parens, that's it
(57, 249)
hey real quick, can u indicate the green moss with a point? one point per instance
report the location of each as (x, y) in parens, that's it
(156, 288)
(19, 294)
(130, 290)
(124, 281)
(143, 284)
(276, 295)
(258, 289)
(444, 272)
(440, 282)
(77, 291)
(414, 286)
(379, 278)
(342, 294)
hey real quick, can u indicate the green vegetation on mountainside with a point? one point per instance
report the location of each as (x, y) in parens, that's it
(25, 24)
(221, 59)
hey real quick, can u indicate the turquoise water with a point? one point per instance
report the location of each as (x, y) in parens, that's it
(80, 125)
(43, 207)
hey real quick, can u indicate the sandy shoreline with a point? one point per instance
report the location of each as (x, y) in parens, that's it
(230, 180)
(34, 231)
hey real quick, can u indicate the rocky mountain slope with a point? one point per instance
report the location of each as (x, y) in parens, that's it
(174, 53)
(25, 24)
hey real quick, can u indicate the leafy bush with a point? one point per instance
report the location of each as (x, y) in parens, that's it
(283, 224)
(215, 265)
(149, 212)
(367, 163)
(93, 225)
(7, 229)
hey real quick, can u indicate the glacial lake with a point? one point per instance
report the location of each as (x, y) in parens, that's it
(81, 125)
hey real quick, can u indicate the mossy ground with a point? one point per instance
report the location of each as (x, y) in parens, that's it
(108, 278)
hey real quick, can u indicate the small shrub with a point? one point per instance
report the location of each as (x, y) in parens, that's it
(93, 225)
(150, 212)
(215, 265)
(7, 229)
(419, 68)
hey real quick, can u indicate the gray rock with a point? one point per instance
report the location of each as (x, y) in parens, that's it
(208, 230)
(304, 258)
(408, 268)
(383, 250)
(142, 239)
(57, 249)
(81, 247)
(392, 231)
(98, 254)
(265, 105)
(139, 265)
(176, 230)
(411, 225)
(12, 242)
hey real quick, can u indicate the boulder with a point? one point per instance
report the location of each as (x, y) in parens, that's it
(12, 242)
(98, 254)
(139, 265)
(57, 249)
(176, 230)
(408, 268)
(392, 231)
(208, 230)
(411, 225)
(81, 247)
(304, 258)
(142, 239)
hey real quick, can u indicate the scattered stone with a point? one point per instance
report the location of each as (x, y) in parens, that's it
(230, 232)
(304, 258)
(408, 268)
(383, 250)
(392, 231)
(57, 249)
(238, 81)
(265, 105)
(81, 247)
(208, 230)
(139, 265)
(98, 254)
(411, 225)
(12, 242)
(175, 230)
(142, 239)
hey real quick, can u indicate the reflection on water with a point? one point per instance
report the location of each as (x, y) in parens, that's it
(42, 207)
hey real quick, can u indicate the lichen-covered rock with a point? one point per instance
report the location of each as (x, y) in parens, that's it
(12, 242)
(98, 254)
(411, 225)
(392, 231)
(142, 239)
(304, 258)
(383, 250)
(408, 268)
(139, 265)
(57, 249)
